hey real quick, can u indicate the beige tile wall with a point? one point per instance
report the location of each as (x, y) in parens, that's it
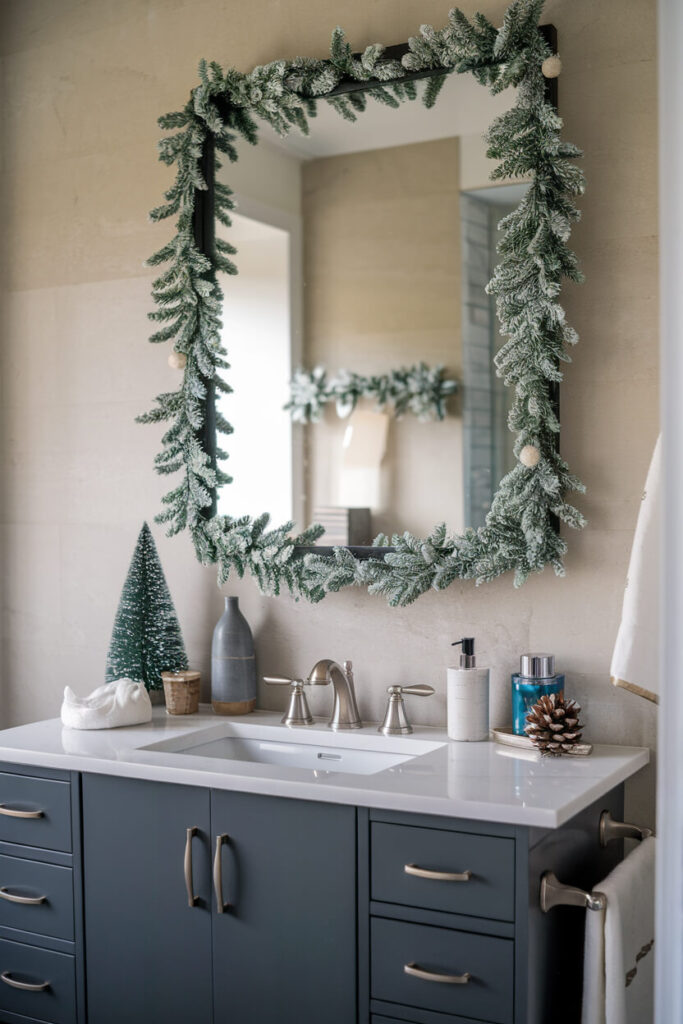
(82, 84)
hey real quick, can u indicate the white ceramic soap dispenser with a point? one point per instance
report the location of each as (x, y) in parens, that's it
(468, 696)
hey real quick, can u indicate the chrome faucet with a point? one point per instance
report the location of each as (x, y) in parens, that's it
(345, 710)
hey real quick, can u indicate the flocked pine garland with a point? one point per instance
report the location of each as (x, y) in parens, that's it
(420, 389)
(520, 532)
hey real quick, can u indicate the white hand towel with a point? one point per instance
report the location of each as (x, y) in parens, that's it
(123, 702)
(618, 972)
(635, 661)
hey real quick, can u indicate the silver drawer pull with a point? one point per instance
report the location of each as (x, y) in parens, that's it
(437, 876)
(446, 979)
(30, 901)
(25, 986)
(221, 905)
(190, 833)
(9, 813)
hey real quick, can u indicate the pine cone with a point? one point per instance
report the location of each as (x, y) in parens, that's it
(553, 724)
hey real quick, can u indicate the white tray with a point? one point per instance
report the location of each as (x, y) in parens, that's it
(504, 734)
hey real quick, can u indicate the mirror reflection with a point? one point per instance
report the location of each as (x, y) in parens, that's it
(358, 330)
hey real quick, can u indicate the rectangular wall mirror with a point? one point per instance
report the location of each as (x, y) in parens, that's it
(362, 401)
(366, 247)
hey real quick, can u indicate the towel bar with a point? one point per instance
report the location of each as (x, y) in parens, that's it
(610, 829)
(555, 894)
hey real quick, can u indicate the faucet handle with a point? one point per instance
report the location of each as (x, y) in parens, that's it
(298, 712)
(395, 721)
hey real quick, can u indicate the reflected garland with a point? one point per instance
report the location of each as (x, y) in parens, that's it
(520, 531)
(420, 390)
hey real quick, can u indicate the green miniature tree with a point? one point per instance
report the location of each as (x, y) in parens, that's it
(146, 639)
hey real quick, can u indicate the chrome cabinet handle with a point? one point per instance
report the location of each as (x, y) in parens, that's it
(446, 979)
(437, 876)
(9, 813)
(187, 865)
(25, 986)
(221, 906)
(30, 901)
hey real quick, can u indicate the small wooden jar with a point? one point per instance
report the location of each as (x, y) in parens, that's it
(181, 690)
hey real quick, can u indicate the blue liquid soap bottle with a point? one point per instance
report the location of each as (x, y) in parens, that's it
(536, 678)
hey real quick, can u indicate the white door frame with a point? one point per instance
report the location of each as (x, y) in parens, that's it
(669, 900)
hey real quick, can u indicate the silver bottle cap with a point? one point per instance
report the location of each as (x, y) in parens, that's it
(537, 666)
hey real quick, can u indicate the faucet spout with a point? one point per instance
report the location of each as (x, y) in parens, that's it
(345, 710)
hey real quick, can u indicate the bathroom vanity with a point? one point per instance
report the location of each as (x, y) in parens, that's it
(236, 871)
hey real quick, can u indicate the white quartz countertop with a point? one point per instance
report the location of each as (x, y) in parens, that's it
(481, 781)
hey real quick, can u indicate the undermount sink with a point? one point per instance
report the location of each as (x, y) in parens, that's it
(351, 753)
(298, 755)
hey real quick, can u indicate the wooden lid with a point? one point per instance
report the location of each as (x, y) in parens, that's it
(186, 676)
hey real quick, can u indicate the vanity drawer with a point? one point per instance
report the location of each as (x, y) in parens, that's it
(488, 890)
(35, 812)
(52, 884)
(486, 996)
(21, 964)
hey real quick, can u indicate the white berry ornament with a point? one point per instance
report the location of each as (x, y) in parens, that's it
(530, 456)
(551, 66)
(177, 360)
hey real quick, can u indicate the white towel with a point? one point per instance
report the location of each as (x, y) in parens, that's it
(123, 702)
(635, 661)
(618, 969)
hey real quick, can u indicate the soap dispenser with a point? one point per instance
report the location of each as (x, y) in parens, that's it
(536, 678)
(468, 696)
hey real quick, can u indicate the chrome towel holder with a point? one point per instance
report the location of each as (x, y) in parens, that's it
(555, 893)
(609, 829)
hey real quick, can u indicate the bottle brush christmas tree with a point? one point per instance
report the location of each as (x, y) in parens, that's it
(146, 639)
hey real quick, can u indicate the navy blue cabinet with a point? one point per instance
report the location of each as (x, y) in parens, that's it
(407, 862)
(148, 951)
(451, 971)
(284, 948)
(36, 811)
(41, 935)
(37, 983)
(274, 928)
(213, 907)
(450, 928)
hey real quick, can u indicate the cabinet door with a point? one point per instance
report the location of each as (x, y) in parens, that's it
(148, 953)
(285, 946)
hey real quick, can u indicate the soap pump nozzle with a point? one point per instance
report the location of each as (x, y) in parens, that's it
(467, 658)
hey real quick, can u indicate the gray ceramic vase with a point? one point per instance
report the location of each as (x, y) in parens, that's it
(233, 663)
